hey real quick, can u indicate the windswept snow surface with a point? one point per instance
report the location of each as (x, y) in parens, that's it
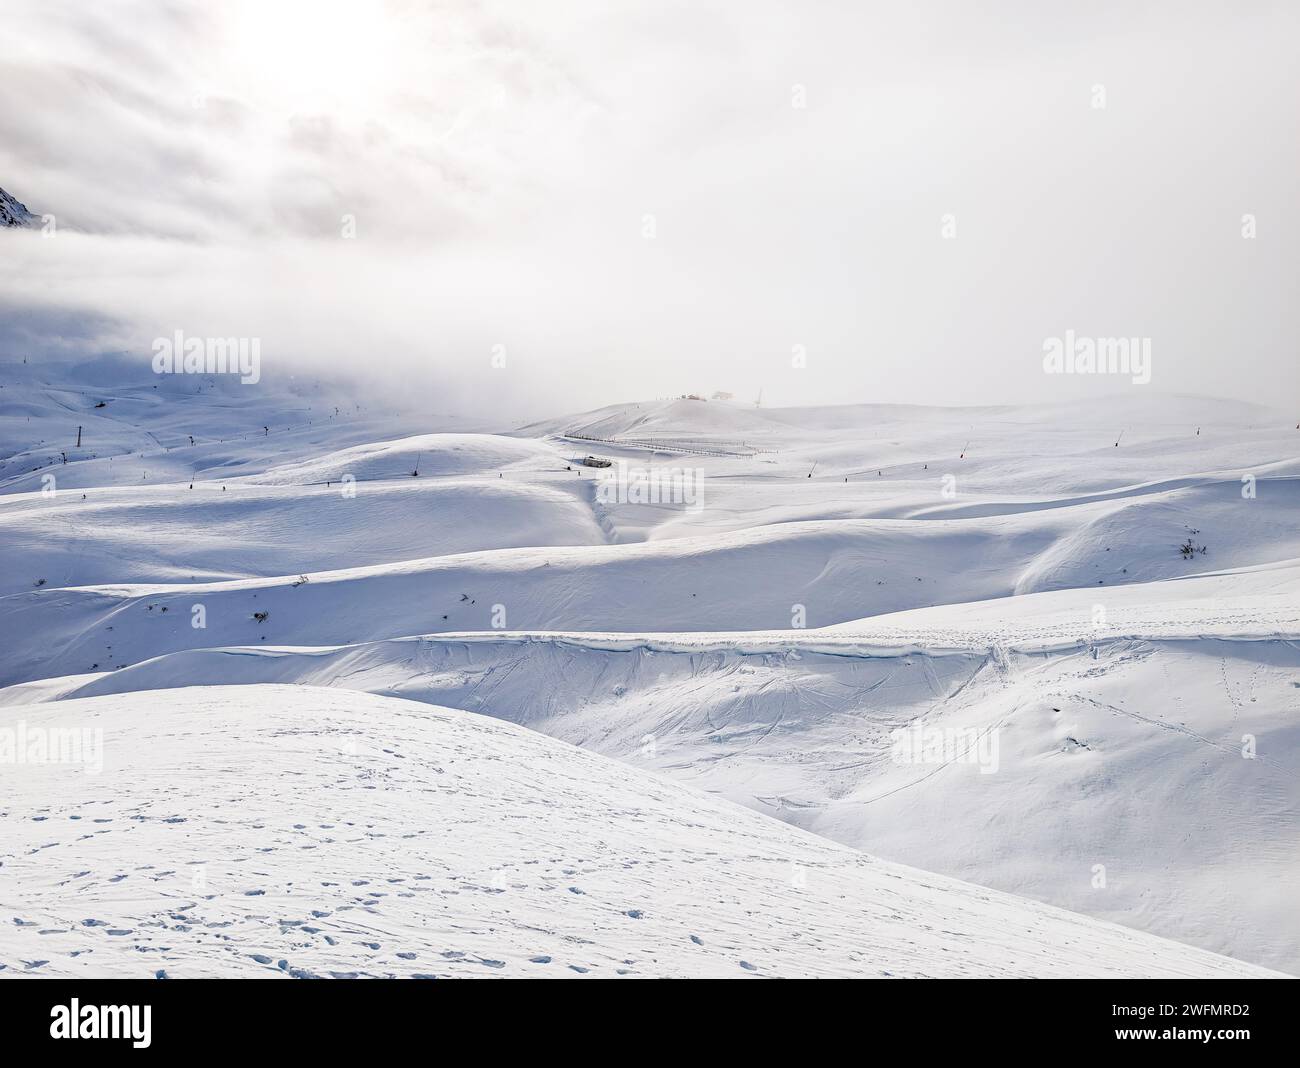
(1114, 719)
(289, 831)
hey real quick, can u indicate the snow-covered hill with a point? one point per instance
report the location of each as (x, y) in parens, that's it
(841, 574)
(276, 831)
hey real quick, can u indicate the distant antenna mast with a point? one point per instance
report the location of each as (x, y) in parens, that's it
(759, 402)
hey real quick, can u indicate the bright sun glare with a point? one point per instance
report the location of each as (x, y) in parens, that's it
(299, 56)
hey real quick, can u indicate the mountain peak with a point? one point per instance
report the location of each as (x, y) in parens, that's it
(14, 213)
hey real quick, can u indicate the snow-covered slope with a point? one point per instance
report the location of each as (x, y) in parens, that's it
(13, 213)
(275, 831)
(139, 428)
(422, 456)
(961, 569)
(1124, 748)
(762, 579)
(205, 534)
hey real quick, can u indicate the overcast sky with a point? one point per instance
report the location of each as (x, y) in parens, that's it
(643, 199)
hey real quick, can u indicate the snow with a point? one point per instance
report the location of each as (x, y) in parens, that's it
(289, 831)
(14, 213)
(226, 535)
(981, 568)
(424, 455)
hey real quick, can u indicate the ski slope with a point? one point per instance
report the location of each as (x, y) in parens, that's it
(844, 573)
(271, 831)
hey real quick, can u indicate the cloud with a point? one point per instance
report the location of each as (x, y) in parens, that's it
(643, 200)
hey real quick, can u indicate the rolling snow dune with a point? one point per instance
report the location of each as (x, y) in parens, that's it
(431, 455)
(1089, 768)
(175, 534)
(301, 832)
(824, 573)
(1037, 453)
(843, 574)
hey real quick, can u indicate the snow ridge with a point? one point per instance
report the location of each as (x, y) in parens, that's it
(14, 213)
